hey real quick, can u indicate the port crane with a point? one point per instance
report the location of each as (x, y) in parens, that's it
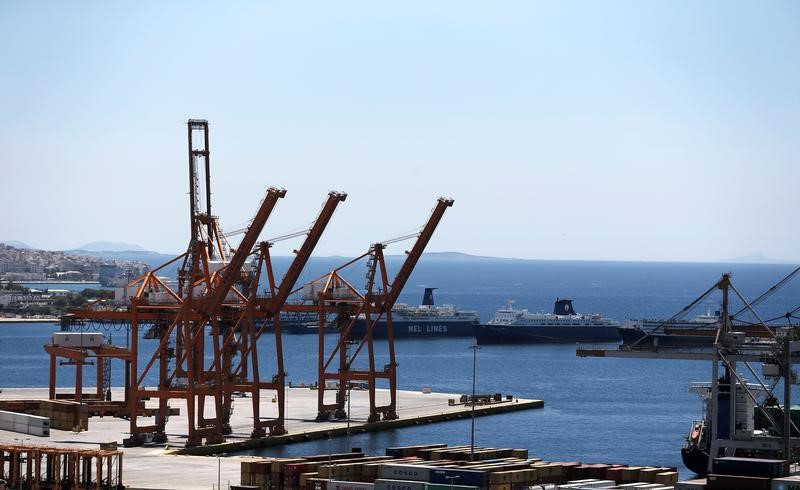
(777, 348)
(261, 313)
(210, 300)
(332, 294)
(217, 299)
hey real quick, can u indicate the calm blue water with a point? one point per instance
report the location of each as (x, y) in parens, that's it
(596, 410)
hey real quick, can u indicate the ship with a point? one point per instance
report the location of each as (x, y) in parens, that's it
(698, 332)
(652, 333)
(512, 326)
(750, 423)
(425, 320)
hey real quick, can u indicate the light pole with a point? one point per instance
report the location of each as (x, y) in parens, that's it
(451, 479)
(286, 408)
(219, 465)
(330, 464)
(348, 345)
(349, 386)
(474, 348)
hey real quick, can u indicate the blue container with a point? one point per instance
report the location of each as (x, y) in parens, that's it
(460, 477)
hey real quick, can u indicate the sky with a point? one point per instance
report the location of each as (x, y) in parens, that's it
(665, 131)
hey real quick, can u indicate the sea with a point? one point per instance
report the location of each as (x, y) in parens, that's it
(596, 410)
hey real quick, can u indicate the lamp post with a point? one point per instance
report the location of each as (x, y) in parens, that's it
(219, 473)
(349, 386)
(474, 348)
(348, 345)
(451, 479)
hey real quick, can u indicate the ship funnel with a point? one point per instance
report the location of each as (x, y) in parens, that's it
(427, 299)
(563, 307)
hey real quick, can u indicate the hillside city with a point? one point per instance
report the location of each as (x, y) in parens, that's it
(26, 276)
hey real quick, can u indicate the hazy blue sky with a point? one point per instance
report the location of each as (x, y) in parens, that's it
(563, 130)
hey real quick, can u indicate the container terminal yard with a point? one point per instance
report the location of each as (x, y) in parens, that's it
(211, 396)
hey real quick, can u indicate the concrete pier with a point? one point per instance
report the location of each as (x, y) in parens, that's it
(173, 466)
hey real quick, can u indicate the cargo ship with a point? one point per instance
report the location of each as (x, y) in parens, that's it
(425, 320)
(699, 332)
(749, 421)
(511, 326)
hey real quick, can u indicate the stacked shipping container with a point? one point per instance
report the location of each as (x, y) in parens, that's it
(434, 467)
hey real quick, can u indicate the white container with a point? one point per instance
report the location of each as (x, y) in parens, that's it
(349, 485)
(39, 431)
(405, 472)
(399, 485)
(6, 416)
(78, 339)
(36, 421)
(591, 483)
(20, 427)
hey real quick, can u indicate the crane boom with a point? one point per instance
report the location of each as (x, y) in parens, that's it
(415, 253)
(304, 253)
(230, 272)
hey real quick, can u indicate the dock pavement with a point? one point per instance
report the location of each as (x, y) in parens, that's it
(168, 466)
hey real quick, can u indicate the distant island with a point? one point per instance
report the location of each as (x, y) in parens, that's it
(121, 251)
(756, 258)
(103, 246)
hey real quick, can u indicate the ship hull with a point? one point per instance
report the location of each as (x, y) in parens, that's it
(304, 329)
(497, 334)
(631, 336)
(695, 459)
(417, 329)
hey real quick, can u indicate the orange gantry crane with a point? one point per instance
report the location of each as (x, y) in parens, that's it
(332, 294)
(218, 298)
(215, 298)
(264, 310)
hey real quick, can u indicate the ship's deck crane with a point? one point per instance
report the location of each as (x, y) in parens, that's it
(778, 347)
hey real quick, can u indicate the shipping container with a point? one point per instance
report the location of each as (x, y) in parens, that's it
(462, 477)
(347, 485)
(405, 472)
(404, 451)
(386, 484)
(736, 482)
(761, 468)
(78, 339)
(591, 483)
(696, 484)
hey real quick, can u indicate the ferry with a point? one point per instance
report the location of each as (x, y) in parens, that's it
(425, 320)
(511, 326)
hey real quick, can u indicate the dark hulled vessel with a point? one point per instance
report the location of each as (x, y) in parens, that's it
(511, 326)
(425, 320)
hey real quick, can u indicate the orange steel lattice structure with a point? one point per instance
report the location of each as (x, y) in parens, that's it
(217, 297)
(214, 298)
(39, 467)
(332, 294)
